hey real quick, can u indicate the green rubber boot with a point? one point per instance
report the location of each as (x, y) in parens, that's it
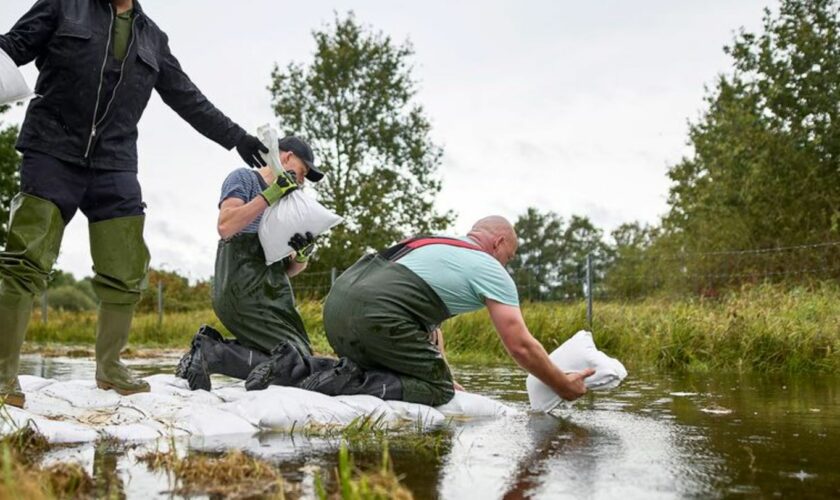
(34, 238)
(14, 316)
(111, 337)
(120, 261)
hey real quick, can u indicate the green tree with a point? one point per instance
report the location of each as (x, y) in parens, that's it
(9, 175)
(178, 294)
(551, 260)
(635, 270)
(356, 104)
(764, 171)
(536, 263)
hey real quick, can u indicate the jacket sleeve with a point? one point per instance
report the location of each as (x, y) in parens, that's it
(180, 93)
(31, 33)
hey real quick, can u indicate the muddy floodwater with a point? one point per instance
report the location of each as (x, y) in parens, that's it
(656, 436)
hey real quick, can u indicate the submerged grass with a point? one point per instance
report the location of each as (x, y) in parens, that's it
(26, 444)
(22, 477)
(233, 474)
(369, 432)
(355, 484)
(763, 328)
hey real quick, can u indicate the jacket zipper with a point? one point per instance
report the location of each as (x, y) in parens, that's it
(120, 79)
(101, 81)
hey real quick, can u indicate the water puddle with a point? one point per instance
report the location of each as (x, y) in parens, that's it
(659, 436)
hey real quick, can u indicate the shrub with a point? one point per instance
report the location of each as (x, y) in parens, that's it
(70, 298)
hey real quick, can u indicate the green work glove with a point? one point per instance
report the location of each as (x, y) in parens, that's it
(284, 185)
(303, 245)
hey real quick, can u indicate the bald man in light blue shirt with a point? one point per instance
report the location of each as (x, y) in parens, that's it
(382, 317)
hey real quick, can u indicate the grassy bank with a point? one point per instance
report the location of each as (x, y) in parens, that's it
(761, 328)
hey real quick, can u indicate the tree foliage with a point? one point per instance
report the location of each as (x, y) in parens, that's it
(767, 150)
(178, 294)
(355, 102)
(9, 175)
(551, 260)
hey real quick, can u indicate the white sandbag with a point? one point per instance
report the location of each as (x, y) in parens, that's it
(296, 212)
(474, 405)
(76, 411)
(206, 420)
(31, 383)
(135, 432)
(422, 417)
(13, 87)
(577, 354)
(371, 406)
(82, 394)
(55, 431)
(268, 135)
(282, 408)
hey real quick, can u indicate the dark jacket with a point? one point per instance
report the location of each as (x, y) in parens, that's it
(70, 43)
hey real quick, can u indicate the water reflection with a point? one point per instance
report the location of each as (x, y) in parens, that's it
(715, 435)
(550, 437)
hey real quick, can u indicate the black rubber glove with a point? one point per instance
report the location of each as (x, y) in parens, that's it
(303, 245)
(249, 148)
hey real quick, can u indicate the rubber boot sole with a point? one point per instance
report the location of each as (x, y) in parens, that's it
(108, 386)
(16, 400)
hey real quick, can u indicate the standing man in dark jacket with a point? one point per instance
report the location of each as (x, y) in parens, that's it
(98, 62)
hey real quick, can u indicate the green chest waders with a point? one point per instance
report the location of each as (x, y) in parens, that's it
(32, 244)
(380, 315)
(255, 301)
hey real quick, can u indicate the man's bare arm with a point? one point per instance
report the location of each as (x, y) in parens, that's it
(294, 268)
(235, 215)
(530, 354)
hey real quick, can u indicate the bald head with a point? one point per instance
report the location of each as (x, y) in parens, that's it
(495, 225)
(496, 236)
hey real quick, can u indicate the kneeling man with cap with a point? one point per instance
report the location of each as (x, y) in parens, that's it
(253, 300)
(383, 316)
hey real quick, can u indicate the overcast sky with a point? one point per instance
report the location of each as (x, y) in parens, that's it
(575, 107)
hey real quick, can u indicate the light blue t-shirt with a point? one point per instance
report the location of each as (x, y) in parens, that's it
(462, 278)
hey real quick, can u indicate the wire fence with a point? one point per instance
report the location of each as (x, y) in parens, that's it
(621, 276)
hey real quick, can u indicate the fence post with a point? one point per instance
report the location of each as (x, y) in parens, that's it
(160, 304)
(333, 273)
(44, 307)
(589, 290)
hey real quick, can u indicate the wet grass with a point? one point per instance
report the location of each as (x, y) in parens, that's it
(232, 474)
(369, 433)
(26, 444)
(356, 484)
(235, 474)
(176, 331)
(761, 328)
(21, 476)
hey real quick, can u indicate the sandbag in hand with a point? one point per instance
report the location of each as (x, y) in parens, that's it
(303, 245)
(284, 185)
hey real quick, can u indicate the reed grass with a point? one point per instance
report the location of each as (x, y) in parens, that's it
(354, 483)
(21, 475)
(761, 328)
(233, 474)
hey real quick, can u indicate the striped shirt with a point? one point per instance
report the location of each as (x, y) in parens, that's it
(245, 184)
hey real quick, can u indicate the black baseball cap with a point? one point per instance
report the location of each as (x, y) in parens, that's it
(302, 150)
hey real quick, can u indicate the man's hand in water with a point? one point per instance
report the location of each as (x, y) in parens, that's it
(575, 387)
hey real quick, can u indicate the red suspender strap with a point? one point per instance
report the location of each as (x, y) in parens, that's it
(416, 243)
(402, 248)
